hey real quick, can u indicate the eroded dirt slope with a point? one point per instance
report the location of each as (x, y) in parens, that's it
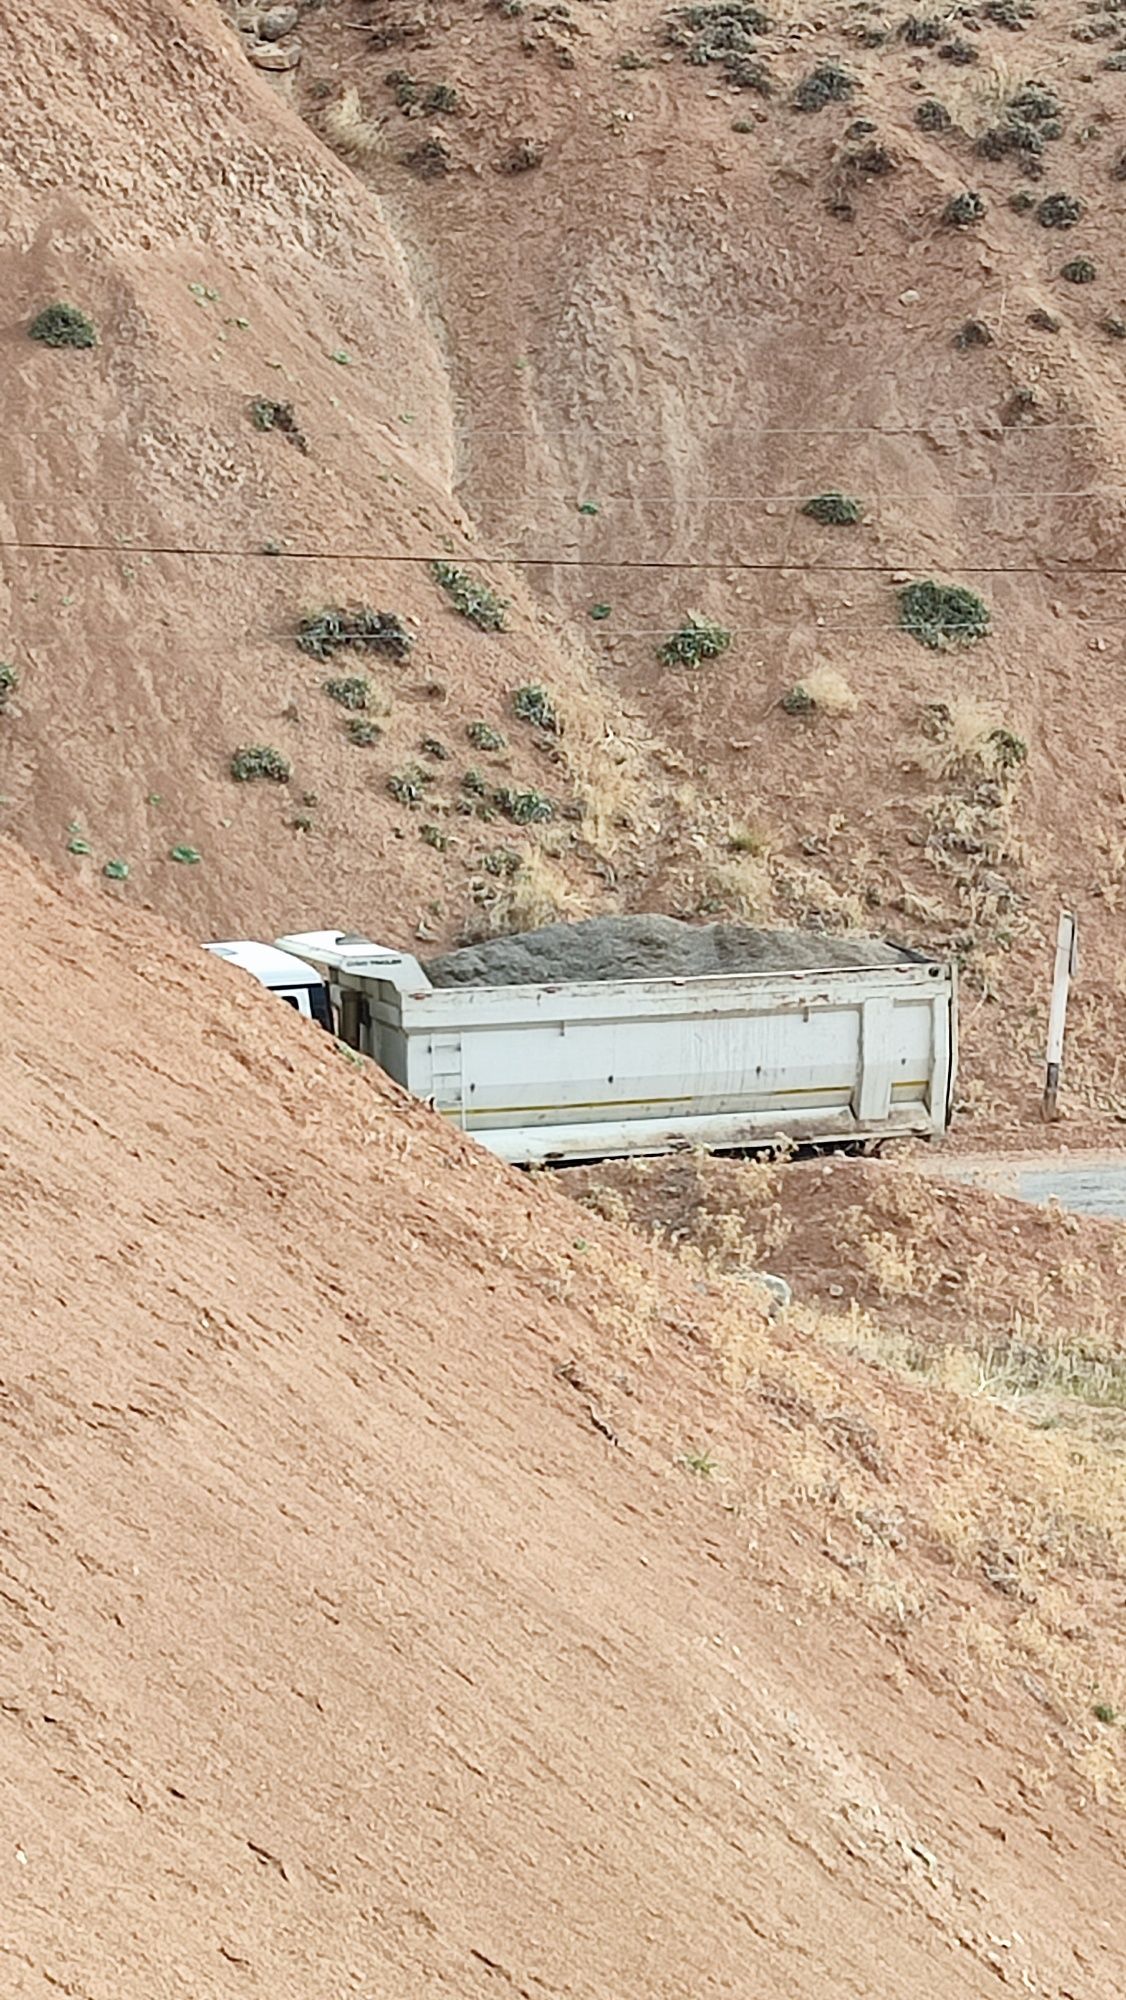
(374, 1620)
(227, 260)
(697, 306)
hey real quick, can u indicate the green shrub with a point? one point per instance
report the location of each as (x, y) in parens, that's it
(1079, 271)
(267, 415)
(931, 116)
(697, 639)
(1059, 211)
(474, 783)
(432, 746)
(958, 50)
(942, 614)
(1013, 136)
(796, 701)
(974, 333)
(61, 325)
(409, 785)
(434, 836)
(187, 856)
(483, 736)
(1043, 320)
(534, 705)
(834, 510)
(362, 731)
(116, 871)
(524, 808)
(1037, 105)
(474, 600)
(323, 633)
(724, 35)
(260, 761)
(351, 691)
(827, 84)
(1022, 201)
(962, 209)
(923, 30)
(9, 682)
(1008, 13)
(501, 861)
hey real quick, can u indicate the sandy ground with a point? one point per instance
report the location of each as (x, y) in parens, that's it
(362, 1630)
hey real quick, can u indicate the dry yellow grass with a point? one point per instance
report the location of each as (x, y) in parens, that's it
(350, 130)
(829, 691)
(540, 892)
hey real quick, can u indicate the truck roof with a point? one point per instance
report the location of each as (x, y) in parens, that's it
(266, 963)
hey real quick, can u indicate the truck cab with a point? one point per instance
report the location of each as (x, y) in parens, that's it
(293, 980)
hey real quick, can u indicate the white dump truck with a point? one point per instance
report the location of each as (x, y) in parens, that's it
(565, 1069)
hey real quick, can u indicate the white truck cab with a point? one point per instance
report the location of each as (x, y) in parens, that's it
(294, 980)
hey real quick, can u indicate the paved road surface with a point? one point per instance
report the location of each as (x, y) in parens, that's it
(1095, 1184)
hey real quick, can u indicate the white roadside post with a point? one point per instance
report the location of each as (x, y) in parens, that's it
(1067, 959)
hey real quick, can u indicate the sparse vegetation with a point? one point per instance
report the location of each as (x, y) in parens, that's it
(958, 51)
(524, 808)
(362, 731)
(942, 614)
(534, 705)
(267, 415)
(725, 35)
(259, 760)
(834, 510)
(9, 682)
(701, 1463)
(61, 325)
(483, 736)
(185, 854)
(323, 633)
(931, 116)
(1010, 14)
(823, 691)
(970, 742)
(1059, 211)
(116, 871)
(430, 160)
(923, 31)
(963, 209)
(522, 157)
(827, 84)
(474, 600)
(1112, 325)
(351, 690)
(418, 99)
(432, 746)
(1079, 271)
(695, 640)
(1038, 107)
(349, 129)
(974, 333)
(409, 785)
(1022, 201)
(1043, 320)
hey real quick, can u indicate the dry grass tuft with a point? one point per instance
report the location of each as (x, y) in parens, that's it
(349, 128)
(539, 892)
(826, 691)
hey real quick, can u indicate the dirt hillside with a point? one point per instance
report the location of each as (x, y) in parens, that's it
(585, 288)
(411, 1584)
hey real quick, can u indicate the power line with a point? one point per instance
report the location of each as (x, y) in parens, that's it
(501, 560)
(855, 430)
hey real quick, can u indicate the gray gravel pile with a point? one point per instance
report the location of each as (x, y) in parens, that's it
(647, 947)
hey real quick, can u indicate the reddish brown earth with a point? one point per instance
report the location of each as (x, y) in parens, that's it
(371, 1623)
(668, 320)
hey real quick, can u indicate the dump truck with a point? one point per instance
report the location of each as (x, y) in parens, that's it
(559, 1070)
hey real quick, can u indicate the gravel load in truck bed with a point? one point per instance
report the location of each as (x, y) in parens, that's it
(648, 947)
